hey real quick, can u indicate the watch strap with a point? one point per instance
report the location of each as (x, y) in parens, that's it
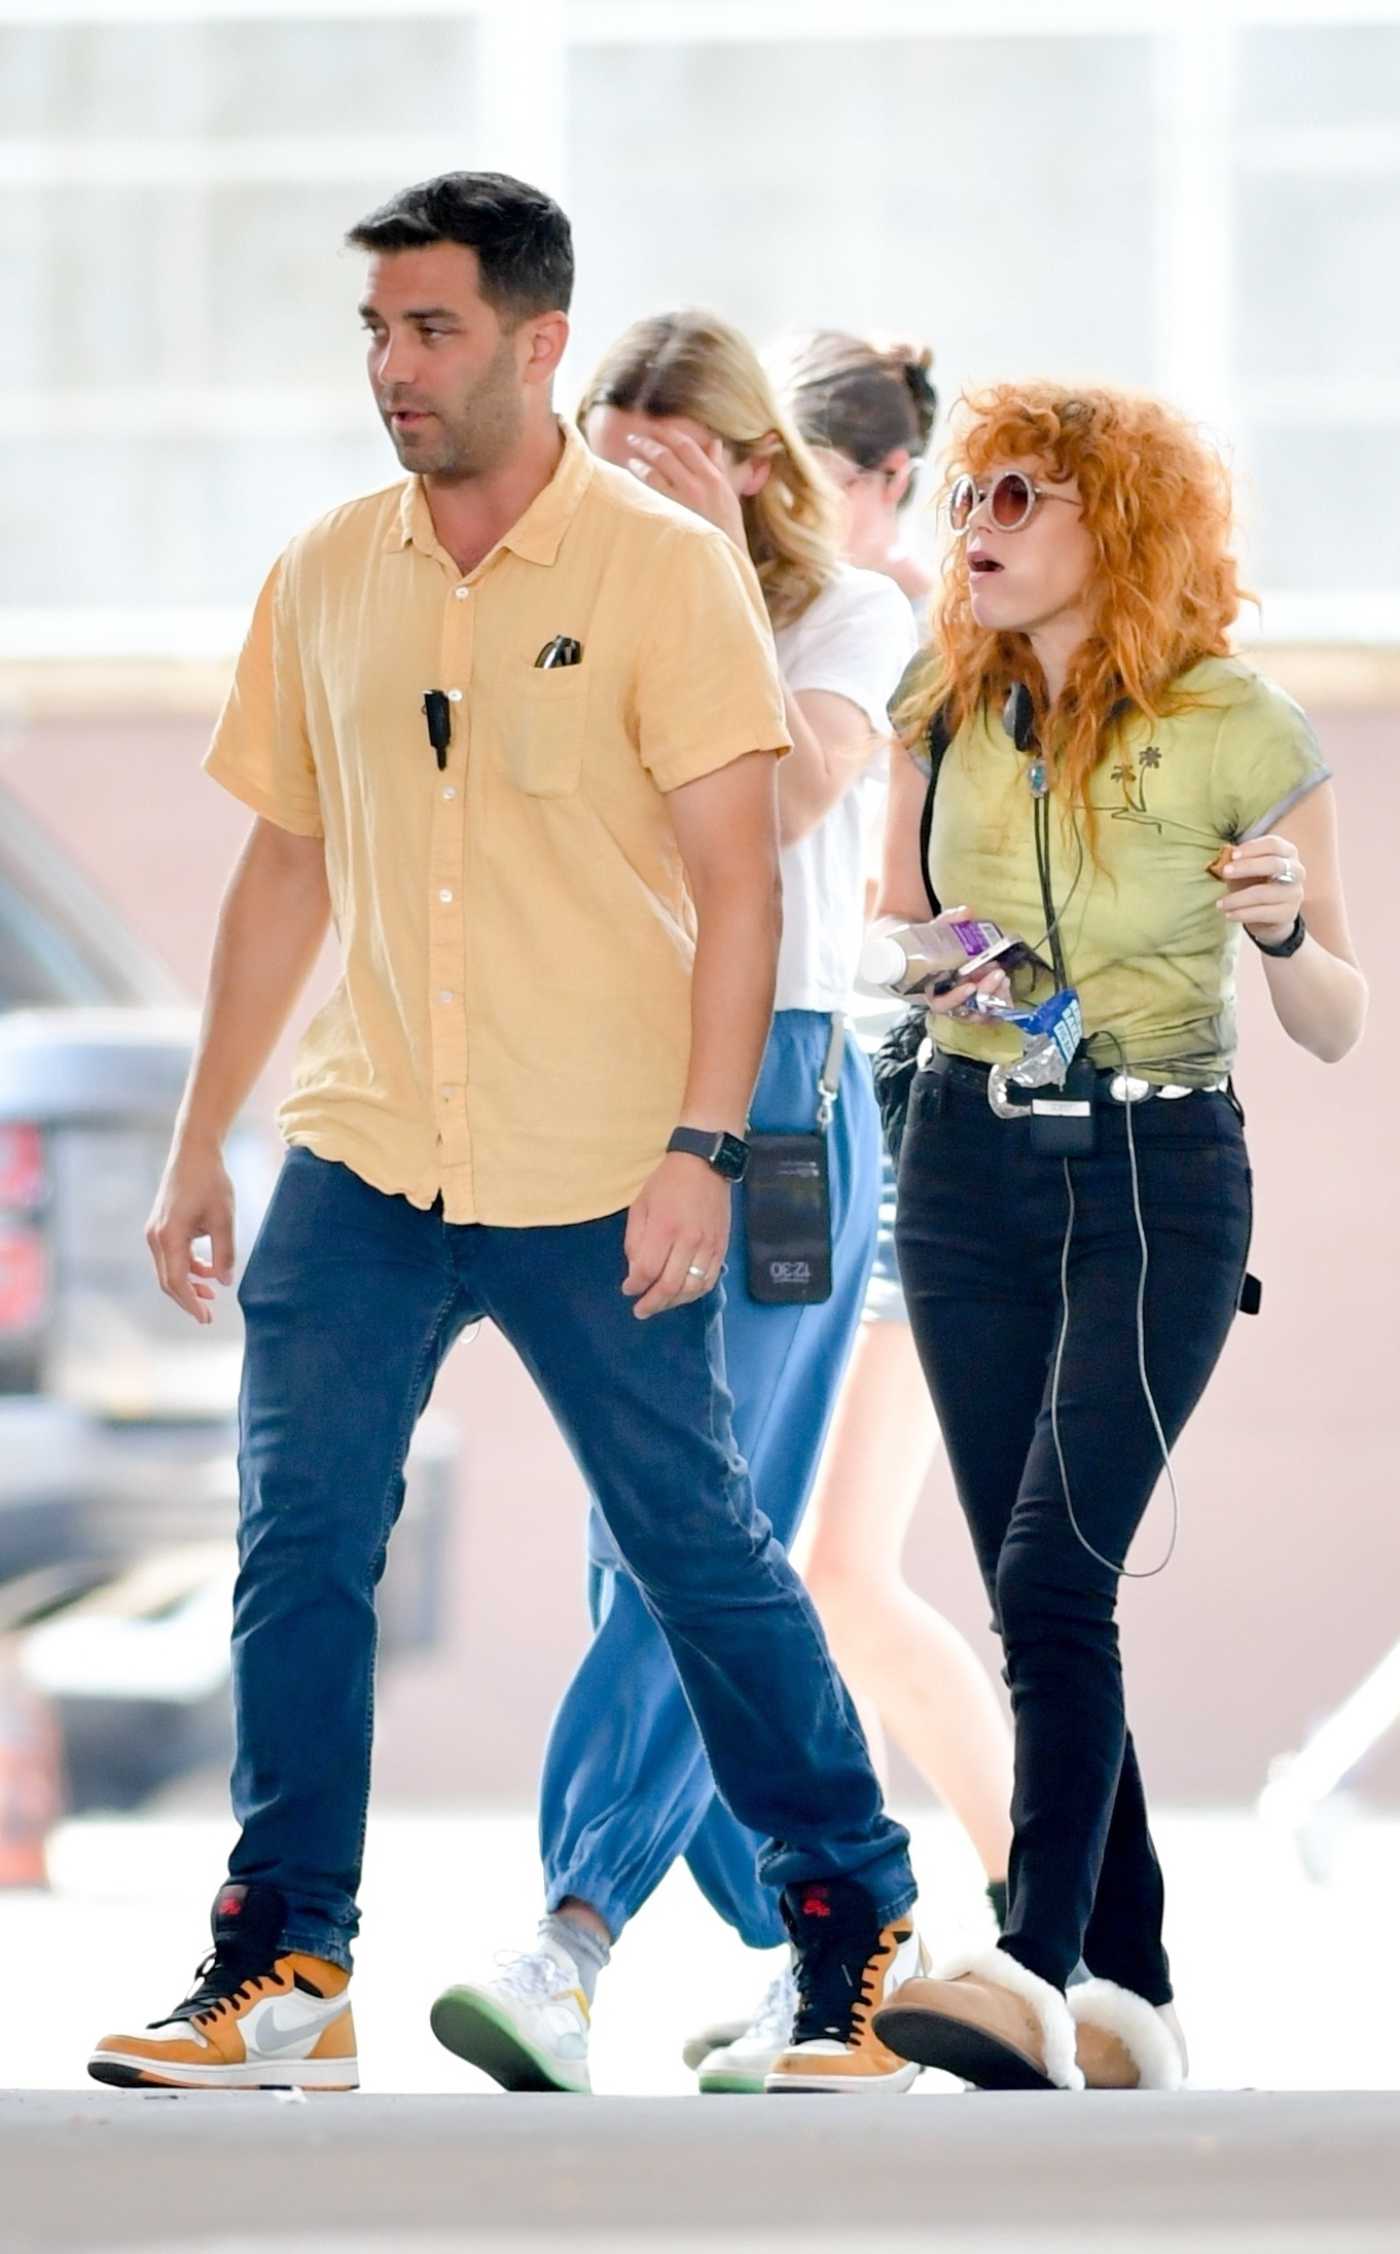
(696, 1142)
(727, 1154)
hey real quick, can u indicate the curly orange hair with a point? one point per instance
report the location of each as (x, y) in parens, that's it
(1156, 499)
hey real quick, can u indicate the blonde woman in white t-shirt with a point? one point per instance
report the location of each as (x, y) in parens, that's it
(683, 402)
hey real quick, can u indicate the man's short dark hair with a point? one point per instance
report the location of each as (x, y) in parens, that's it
(522, 239)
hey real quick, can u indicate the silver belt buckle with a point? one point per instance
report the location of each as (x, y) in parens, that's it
(1126, 1088)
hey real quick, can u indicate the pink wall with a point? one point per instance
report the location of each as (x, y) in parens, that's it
(1285, 1587)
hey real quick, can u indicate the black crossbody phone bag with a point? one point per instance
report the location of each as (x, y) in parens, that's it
(896, 1061)
(787, 1200)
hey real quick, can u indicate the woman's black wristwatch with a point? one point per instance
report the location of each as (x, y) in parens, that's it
(728, 1155)
(1283, 947)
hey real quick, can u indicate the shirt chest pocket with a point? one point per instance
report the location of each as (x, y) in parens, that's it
(544, 730)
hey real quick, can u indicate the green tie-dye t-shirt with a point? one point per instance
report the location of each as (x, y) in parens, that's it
(1152, 958)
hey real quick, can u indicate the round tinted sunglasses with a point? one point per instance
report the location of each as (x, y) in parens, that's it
(1010, 500)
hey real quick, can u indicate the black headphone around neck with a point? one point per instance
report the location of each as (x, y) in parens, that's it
(1018, 717)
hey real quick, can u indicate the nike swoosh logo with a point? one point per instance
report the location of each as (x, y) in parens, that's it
(276, 2033)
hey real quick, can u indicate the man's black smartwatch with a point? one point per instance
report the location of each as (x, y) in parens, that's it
(728, 1154)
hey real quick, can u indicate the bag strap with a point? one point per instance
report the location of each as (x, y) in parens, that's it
(829, 1078)
(939, 739)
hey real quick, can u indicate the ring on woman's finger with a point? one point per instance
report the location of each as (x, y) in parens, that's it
(1289, 873)
(692, 1270)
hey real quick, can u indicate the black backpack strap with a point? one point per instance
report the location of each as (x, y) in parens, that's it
(938, 742)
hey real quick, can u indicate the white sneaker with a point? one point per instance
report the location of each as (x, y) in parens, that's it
(741, 2068)
(716, 2037)
(527, 2029)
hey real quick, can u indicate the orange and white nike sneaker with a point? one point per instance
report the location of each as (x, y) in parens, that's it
(257, 2018)
(846, 1965)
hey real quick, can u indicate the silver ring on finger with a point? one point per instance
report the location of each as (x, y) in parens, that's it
(692, 1270)
(1289, 873)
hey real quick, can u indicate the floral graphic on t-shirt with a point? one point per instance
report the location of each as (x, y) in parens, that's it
(1135, 783)
(1133, 807)
(1131, 778)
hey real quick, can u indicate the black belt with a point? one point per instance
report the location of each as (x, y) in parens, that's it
(1114, 1087)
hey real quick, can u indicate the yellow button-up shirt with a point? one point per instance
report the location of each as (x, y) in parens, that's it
(511, 1030)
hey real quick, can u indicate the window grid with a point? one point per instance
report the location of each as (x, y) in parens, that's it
(1202, 157)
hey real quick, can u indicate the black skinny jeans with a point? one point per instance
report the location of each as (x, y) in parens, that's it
(980, 1229)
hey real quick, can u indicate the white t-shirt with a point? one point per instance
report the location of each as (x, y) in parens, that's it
(853, 641)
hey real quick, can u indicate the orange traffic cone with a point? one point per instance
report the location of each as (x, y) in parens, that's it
(31, 1778)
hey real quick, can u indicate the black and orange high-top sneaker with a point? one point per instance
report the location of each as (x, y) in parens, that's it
(846, 1965)
(257, 2018)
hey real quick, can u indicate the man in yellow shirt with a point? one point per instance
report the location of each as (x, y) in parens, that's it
(512, 725)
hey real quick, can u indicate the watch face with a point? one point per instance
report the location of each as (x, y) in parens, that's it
(731, 1158)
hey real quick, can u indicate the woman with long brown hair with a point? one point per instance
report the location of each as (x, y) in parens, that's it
(1119, 790)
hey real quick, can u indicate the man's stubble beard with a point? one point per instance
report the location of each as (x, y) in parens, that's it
(483, 434)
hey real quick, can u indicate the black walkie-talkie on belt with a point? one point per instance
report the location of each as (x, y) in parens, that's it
(1063, 1122)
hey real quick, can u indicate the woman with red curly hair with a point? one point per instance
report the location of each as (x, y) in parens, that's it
(1070, 1309)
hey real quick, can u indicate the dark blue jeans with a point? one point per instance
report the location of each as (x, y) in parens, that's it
(617, 1806)
(351, 1301)
(980, 1231)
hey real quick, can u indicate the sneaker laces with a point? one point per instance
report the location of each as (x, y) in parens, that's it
(772, 2022)
(835, 1981)
(535, 1976)
(220, 1982)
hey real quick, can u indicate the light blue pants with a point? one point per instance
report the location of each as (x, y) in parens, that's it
(626, 1785)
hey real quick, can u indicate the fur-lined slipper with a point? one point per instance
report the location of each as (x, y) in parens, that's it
(988, 2021)
(1126, 2043)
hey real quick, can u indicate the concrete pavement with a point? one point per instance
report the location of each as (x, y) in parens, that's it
(964, 2174)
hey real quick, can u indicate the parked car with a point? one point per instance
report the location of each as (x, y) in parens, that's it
(117, 1414)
